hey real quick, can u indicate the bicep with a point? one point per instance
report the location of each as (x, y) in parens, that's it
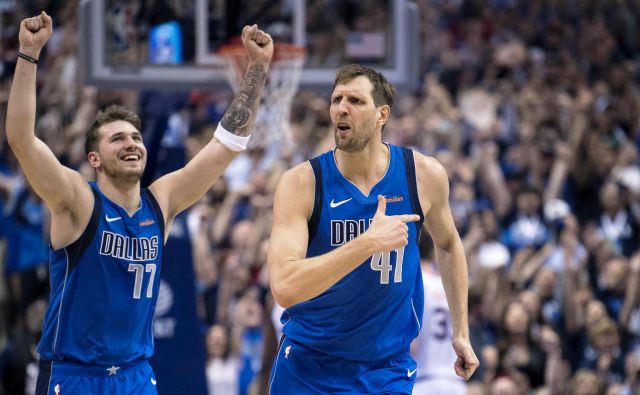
(57, 185)
(434, 190)
(290, 233)
(441, 226)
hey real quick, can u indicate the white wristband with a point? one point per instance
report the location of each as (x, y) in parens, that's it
(230, 140)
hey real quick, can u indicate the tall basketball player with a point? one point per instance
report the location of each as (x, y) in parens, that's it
(343, 256)
(107, 237)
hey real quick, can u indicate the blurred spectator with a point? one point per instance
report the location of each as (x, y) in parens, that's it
(222, 363)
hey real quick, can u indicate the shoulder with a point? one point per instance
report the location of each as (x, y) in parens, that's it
(430, 170)
(431, 177)
(429, 166)
(296, 188)
(300, 176)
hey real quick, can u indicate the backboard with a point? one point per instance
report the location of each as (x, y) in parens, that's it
(172, 44)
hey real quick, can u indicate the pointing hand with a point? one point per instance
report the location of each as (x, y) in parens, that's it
(389, 232)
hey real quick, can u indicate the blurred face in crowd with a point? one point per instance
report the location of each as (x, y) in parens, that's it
(605, 338)
(528, 202)
(121, 153)
(217, 342)
(504, 386)
(585, 382)
(595, 312)
(489, 223)
(531, 302)
(354, 116)
(250, 310)
(614, 276)
(241, 234)
(475, 388)
(610, 197)
(516, 319)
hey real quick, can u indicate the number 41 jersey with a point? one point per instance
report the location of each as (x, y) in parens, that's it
(375, 311)
(104, 286)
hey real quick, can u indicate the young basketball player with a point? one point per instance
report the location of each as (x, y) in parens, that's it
(343, 256)
(107, 237)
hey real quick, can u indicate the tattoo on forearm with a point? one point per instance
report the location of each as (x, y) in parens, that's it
(242, 112)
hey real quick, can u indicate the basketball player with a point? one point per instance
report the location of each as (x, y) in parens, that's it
(432, 348)
(107, 237)
(343, 256)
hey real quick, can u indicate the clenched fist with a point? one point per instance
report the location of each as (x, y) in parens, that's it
(34, 33)
(258, 44)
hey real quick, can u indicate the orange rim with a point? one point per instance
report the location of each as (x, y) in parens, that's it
(282, 51)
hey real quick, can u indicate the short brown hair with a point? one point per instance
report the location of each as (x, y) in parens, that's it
(383, 92)
(110, 114)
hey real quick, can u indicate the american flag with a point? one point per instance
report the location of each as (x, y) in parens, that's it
(365, 45)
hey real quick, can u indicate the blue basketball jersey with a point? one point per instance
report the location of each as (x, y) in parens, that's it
(375, 311)
(104, 286)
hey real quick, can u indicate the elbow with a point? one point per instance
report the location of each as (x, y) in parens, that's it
(16, 141)
(451, 244)
(282, 293)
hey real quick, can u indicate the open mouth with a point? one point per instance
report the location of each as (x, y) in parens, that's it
(130, 158)
(343, 127)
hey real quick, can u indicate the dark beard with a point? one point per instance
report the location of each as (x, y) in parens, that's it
(355, 144)
(132, 176)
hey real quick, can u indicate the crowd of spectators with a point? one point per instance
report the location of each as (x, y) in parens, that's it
(532, 107)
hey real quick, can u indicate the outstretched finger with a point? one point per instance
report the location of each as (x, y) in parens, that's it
(382, 205)
(409, 218)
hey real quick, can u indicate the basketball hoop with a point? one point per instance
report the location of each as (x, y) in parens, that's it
(272, 121)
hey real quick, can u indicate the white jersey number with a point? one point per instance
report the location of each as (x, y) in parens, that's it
(381, 262)
(140, 270)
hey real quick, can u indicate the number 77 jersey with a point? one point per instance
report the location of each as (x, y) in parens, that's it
(375, 311)
(104, 286)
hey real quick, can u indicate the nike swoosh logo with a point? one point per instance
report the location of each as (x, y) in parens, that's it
(336, 204)
(411, 372)
(153, 381)
(111, 219)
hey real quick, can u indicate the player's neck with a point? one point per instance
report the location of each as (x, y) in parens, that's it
(364, 168)
(124, 193)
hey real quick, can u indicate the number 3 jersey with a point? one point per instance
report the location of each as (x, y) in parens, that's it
(104, 286)
(433, 350)
(375, 311)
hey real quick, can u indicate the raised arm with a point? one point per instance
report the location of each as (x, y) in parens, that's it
(63, 190)
(293, 277)
(433, 188)
(178, 190)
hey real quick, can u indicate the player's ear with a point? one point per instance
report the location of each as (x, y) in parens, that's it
(94, 159)
(383, 113)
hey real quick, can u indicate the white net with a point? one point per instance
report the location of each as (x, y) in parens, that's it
(273, 126)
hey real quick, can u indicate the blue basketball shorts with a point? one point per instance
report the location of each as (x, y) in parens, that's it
(303, 371)
(65, 378)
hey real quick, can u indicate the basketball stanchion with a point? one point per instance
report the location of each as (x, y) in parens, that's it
(272, 122)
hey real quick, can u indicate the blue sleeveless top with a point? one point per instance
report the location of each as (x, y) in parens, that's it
(104, 286)
(376, 310)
